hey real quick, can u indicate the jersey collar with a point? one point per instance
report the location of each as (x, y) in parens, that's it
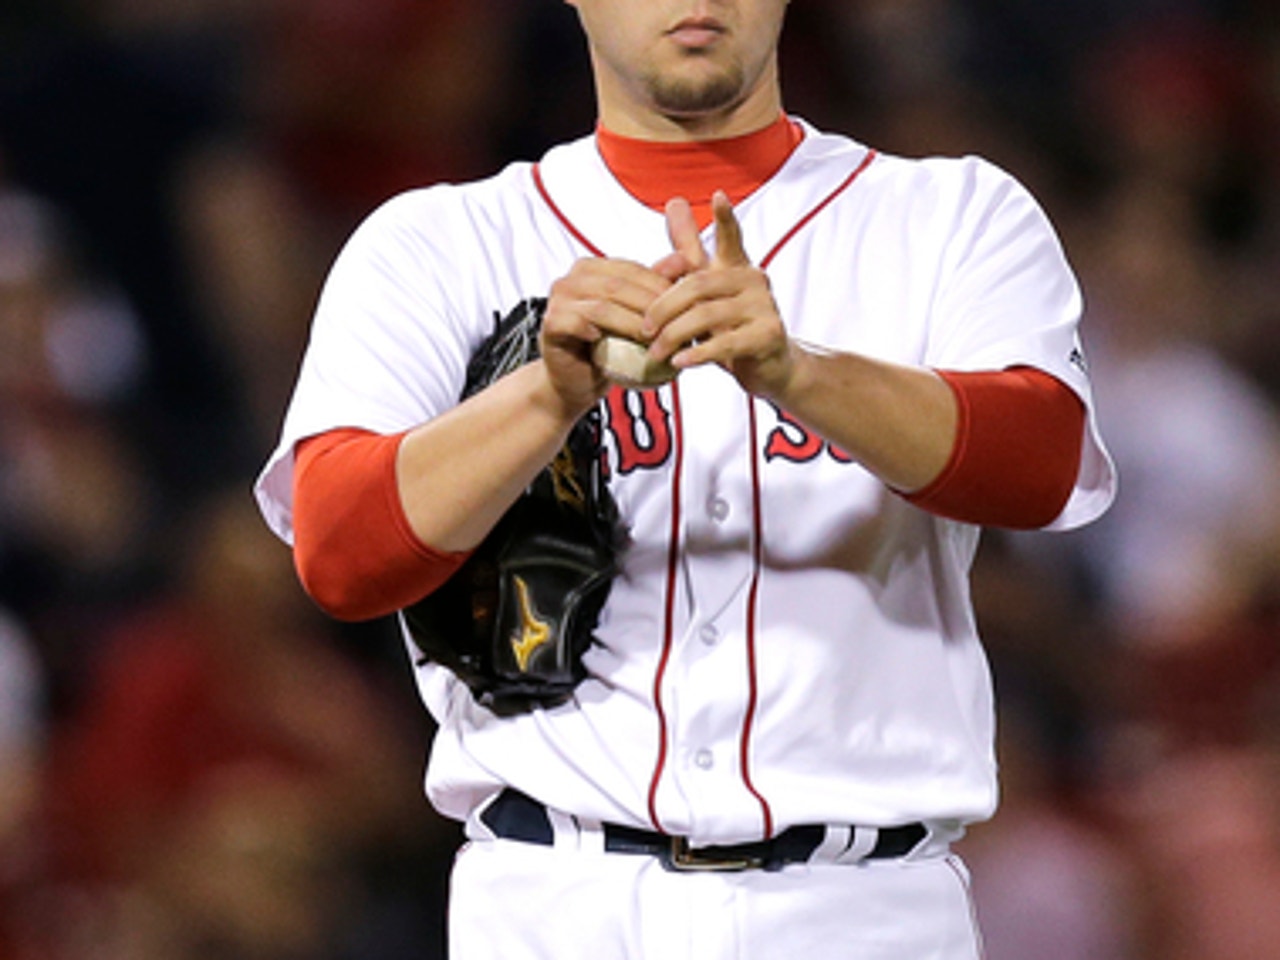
(586, 194)
(653, 172)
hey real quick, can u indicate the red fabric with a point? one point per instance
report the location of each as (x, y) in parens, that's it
(354, 549)
(1017, 451)
(653, 171)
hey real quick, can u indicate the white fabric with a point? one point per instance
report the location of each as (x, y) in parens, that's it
(872, 699)
(519, 900)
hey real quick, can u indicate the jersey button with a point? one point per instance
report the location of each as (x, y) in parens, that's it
(703, 759)
(709, 634)
(719, 509)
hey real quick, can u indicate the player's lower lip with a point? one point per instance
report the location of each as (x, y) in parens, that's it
(695, 36)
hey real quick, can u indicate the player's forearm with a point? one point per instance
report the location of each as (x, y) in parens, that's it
(897, 421)
(457, 474)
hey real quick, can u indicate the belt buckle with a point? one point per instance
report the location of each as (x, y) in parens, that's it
(683, 858)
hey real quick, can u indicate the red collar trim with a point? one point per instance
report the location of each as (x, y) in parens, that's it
(655, 171)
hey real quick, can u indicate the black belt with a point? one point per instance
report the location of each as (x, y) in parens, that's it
(515, 816)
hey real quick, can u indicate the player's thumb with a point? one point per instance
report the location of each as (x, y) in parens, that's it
(729, 249)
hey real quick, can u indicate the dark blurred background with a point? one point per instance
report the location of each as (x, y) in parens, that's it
(195, 765)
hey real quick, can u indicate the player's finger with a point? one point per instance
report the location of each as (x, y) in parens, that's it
(698, 287)
(687, 256)
(730, 343)
(588, 319)
(672, 267)
(597, 269)
(703, 321)
(627, 284)
(729, 249)
(682, 228)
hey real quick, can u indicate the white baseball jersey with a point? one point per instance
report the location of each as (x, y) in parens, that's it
(788, 641)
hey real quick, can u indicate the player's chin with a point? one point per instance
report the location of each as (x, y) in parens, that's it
(699, 89)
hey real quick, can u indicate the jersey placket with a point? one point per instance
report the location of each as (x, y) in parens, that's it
(704, 788)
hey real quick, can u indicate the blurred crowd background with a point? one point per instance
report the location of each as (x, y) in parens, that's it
(195, 765)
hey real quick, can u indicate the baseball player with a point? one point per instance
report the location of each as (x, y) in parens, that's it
(787, 717)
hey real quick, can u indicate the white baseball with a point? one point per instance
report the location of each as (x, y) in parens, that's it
(627, 362)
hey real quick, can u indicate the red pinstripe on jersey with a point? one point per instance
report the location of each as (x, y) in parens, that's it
(757, 521)
(818, 208)
(669, 606)
(753, 606)
(568, 224)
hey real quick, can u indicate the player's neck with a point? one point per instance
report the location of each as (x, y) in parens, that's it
(654, 171)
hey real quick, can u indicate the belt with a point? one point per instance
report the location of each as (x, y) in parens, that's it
(515, 816)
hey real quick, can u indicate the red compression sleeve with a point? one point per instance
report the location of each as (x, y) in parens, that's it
(354, 550)
(1017, 451)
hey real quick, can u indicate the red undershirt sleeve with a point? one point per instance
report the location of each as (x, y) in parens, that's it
(355, 553)
(1017, 451)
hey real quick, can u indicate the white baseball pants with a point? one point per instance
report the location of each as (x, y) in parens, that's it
(512, 900)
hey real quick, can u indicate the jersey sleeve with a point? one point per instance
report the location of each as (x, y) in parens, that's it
(388, 346)
(1008, 297)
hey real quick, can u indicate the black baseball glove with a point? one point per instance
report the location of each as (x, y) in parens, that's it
(514, 621)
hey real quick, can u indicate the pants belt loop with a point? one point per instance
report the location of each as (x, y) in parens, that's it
(833, 845)
(590, 835)
(565, 830)
(861, 844)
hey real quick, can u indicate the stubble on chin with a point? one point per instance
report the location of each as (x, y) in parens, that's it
(683, 96)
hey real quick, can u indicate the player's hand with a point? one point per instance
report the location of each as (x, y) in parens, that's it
(722, 309)
(598, 296)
